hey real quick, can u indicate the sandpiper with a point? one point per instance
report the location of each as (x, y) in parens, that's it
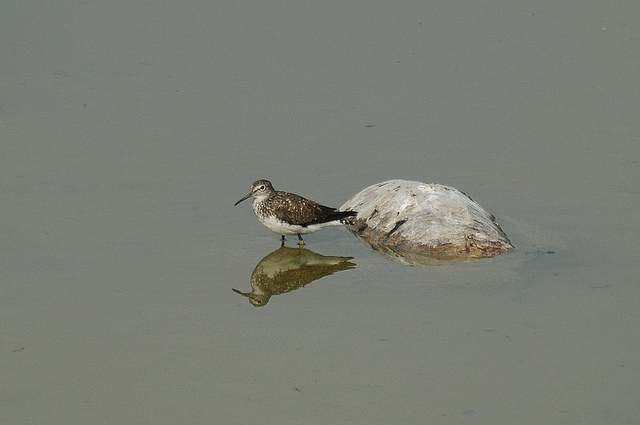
(290, 214)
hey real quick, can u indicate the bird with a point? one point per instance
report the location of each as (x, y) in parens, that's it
(286, 213)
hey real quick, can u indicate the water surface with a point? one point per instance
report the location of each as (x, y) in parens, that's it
(128, 132)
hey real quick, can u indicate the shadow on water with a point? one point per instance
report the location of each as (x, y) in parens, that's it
(287, 269)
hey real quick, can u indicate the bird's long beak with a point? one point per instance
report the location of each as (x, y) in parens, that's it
(246, 197)
(246, 294)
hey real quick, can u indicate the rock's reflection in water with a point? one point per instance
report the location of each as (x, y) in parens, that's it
(415, 259)
(287, 269)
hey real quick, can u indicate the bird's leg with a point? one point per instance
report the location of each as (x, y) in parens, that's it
(300, 241)
(282, 241)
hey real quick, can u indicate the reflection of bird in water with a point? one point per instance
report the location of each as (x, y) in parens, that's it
(287, 269)
(290, 214)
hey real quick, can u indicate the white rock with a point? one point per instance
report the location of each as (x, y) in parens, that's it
(423, 224)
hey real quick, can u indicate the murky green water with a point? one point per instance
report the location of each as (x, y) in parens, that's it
(128, 132)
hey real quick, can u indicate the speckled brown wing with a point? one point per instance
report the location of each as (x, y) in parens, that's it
(300, 211)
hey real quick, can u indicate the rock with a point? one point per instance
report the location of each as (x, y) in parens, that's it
(424, 224)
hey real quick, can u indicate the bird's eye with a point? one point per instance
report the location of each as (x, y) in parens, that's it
(261, 187)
